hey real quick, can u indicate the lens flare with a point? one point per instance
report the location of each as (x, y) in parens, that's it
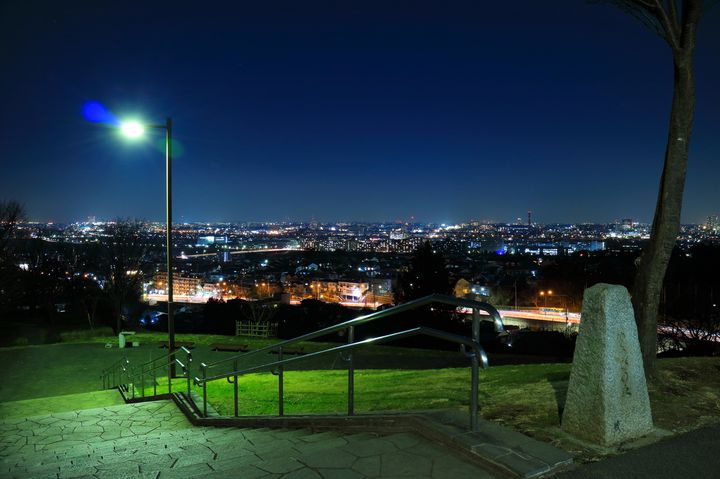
(97, 113)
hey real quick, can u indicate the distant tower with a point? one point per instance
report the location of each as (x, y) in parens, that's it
(529, 218)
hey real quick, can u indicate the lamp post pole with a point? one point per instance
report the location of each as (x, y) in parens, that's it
(134, 129)
(169, 244)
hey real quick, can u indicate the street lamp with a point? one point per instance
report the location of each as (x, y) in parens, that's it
(545, 295)
(134, 129)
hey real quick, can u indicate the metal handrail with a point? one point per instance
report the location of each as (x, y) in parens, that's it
(132, 374)
(424, 301)
(419, 331)
(115, 371)
(477, 357)
(114, 365)
(171, 353)
(169, 360)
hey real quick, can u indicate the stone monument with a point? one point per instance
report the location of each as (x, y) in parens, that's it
(607, 400)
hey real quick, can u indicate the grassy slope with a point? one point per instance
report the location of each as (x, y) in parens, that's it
(685, 395)
(527, 397)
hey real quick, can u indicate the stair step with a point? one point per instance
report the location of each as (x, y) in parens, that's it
(176, 449)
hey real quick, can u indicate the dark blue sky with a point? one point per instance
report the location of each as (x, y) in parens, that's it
(351, 110)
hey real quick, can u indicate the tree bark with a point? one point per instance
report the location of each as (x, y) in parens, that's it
(666, 222)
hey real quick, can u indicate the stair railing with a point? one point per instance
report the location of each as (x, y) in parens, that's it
(133, 376)
(112, 376)
(476, 354)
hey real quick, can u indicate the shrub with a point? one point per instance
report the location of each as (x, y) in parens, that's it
(81, 334)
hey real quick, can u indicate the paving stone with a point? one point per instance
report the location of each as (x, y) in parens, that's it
(109, 435)
(154, 440)
(304, 473)
(75, 472)
(90, 421)
(312, 447)
(237, 463)
(403, 440)
(489, 451)
(368, 466)
(339, 474)
(224, 453)
(197, 457)
(338, 459)
(80, 436)
(91, 429)
(371, 447)
(321, 436)
(450, 467)
(244, 472)
(280, 465)
(403, 463)
(14, 421)
(118, 469)
(139, 429)
(187, 472)
(523, 466)
(271, 449)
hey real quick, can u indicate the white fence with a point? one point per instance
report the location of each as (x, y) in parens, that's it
(259, 329)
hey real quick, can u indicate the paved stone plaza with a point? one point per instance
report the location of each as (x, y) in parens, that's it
(155, 440)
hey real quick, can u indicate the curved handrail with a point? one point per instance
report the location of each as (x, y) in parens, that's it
(115, 372)
(115, 365)
(419, 331)
(137, 373)
(478, 358)
(424, 301)
(166, 358)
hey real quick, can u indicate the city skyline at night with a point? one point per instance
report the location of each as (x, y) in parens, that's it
(375, 111)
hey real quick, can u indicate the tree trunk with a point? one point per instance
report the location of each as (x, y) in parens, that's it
(666, 222)
(117, 312)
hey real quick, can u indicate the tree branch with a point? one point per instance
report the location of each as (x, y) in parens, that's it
(644, 4)
(667, 25)
(674, 15)
(653, 15)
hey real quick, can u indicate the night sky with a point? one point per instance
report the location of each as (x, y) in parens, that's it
(348, 110)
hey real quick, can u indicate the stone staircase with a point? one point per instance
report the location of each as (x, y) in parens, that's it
(155, 440)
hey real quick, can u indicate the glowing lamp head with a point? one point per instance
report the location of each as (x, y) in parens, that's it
(132, 129)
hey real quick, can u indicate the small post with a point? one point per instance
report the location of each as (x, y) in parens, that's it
(281, 405)
(130, 382)
(187, 372)
(474, 372)
(351, 373)
(142, 381)
(154, 382)
(203, 366)
(235, 387)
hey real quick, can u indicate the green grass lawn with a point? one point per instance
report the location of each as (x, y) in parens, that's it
(144, 337)
(380, 390)
(528, 398)
(104, 335)
(530, 388)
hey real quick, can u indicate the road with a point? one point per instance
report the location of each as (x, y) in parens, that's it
(695, 455)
